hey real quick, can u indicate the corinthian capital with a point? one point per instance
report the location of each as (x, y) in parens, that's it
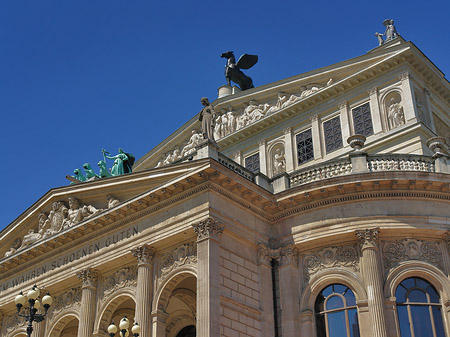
(88, 277)
(144, 254)
(289, 255)
(368, 238)
(208, 228)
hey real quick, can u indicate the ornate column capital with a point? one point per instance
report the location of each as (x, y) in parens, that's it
(368, 238)
(343, 105)
(144, 254)
(406, 75)
(287, 131)
(262, 142)
(208, 228)
(266, 254)
(88, 277)
(373, 91)
(289, 255)
(314, 118)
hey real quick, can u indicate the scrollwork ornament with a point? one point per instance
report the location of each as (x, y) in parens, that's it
(88, 277)
(368, 238)
(265, 254)
(185, 254)
(289, 255)
(123, 278)
(208, 228)
(144, 254)
(69, 298)
(13, 322)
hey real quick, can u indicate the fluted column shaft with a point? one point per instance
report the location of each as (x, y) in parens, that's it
(87, 309)
(144, 290)
(208, 292)
(372, 272)
(38, 329)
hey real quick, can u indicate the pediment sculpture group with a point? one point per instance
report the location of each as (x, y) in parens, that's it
(59, 218)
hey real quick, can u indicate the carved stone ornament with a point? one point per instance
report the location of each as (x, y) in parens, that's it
(341, 256)
(343, 105)
(208, 228)
(289, 255)
(182, 255)
(373, 91)
(69, 298)
(447, 239)
(265, 254)
(405, 76)
(144, 254)
(13, 322)
(123, 278)
(88, 277)
(397, 251)
(368, 238)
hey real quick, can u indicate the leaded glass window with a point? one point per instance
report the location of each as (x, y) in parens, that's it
(252, 163)
(336, 312)
(333, 136)
(305, 150)
(362, 120)
(419, 309)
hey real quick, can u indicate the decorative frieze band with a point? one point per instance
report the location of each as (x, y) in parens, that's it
(88, 277)
(368, 238)
(336, 256)
(144, 254)
(396, 251)
(208, 228)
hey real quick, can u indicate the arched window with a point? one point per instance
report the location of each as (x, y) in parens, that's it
(419, 309)
(336, 313)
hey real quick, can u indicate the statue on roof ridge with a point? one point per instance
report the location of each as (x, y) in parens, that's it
(390, 32)
(233, 69)
(208, 118)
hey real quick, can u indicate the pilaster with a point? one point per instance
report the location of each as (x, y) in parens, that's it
(289, 290)
(408, 103)
(345, 123)
(159, 319)
(266, 287)
(88, 279)
(262, 156)
(375, 110)
(208, 292)
(144, 289)
(288, 150)
(372, 272)
(315, 132)
(429, 116)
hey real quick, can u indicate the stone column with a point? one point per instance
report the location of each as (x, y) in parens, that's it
(345, 123)
(407, 99)
(315, 132)
(159, 319)
(429, 114)
(266, 291)
(372, 275)
(39, 329)
(144, 289)
(375, 111)
(87, 308)
(289, 291)
(262, 157)
(289, 150)
(208, 291)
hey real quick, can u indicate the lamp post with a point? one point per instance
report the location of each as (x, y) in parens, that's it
(123, 326)
(34, 304)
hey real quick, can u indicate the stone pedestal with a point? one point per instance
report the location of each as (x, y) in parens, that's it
(87, 309)
(372, 273)
(144, 290)
(208, 292)
(207, 149)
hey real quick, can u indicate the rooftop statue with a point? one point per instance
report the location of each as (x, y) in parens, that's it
(233, 72)
(208, 118)
(390, 33)
(123, 162)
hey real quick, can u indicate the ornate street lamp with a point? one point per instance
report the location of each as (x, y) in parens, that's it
(34, 304)
(123, 326)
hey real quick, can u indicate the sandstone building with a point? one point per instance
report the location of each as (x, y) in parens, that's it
(282, 229)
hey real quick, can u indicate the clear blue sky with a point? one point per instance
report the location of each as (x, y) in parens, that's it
(78, 75)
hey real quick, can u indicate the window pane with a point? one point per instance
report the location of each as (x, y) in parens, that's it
(320, 303)
(403, 321)
(362, 120)
(350, 298)
(400, 294)
(334, 302)
(434, 297)
(438, 322)
(320, 325)
(305, 150)
(339, 288)
(353, 323)
(421, 283)
(336, 324)
(252, 163)
(327, 291)
(332, 132)
(421, 321)
(408, 283)
(417, 295)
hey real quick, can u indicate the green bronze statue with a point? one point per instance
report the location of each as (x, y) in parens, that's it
(78, 175)
(90, 174)
(123, 162)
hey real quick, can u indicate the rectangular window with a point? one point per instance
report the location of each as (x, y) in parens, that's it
(252, 163)
(362, 120)
(305, 150)
(333, 136)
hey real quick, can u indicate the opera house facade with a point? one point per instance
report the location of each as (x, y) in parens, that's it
(322, 208)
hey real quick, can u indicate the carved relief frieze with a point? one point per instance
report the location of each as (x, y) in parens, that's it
(397, 251)
(69, 298)
(13, 322)
(185, 254)
(122, 278)
(336, 256)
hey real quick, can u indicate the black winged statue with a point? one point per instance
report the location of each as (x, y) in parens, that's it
(233, 70)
